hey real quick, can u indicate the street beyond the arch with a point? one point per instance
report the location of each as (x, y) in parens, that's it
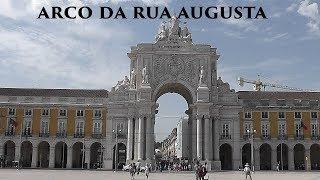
(34, 174)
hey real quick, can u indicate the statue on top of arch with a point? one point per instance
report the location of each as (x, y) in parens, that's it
(173, 30)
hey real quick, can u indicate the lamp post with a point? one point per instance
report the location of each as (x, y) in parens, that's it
(116, 148)
(251, 132)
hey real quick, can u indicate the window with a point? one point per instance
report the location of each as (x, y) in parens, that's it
(264, 115)
(97, 113)
(61, 127)
(28, 112)
(45, 112)
(120, 127)
(225, 130)
(45, 127)
(282, 129)
(12, 111)
(297, 115)
(281, 102)
(247, 127)
(314, 130)
(27, 127)
(96, 127)
(63, 112)
(298, 128)
(264, 102)
(298, 102)
(79, 113)
(247, 115)
(265, 130)
(314, 115)
(282, 115)
(80, 127)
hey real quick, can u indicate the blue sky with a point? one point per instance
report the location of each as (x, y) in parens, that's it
(92, 53)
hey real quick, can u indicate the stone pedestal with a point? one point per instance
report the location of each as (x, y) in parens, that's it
(216, 165)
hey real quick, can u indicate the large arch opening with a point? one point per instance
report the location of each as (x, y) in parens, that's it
(315, 156)
(172, 134)
(299, 157)
(96, 155)
(246, 154)
(265, 157)
(119, 156)
(43, 154)
(282, 156)
(26, 154)
(225, 153)
(9, 153)
(78, 155)
(60, 155)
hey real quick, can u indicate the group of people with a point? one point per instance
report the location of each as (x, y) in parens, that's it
(200, 171)
(135, 168)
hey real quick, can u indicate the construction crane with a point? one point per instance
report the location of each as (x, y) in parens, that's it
(258, 85)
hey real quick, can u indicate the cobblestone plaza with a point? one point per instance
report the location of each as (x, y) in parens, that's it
(12, 174)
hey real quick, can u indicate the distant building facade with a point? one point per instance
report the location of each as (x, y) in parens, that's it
(182, 142)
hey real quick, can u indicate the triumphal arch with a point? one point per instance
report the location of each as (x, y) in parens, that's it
(174, 64)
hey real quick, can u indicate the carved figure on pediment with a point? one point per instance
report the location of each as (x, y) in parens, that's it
(144, 76)
(201, 76)
(133, 78)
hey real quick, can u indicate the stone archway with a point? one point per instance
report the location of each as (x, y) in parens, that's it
(315, 156)
(299, 157)
(78, 155)
(119, 157)
(282, 156)
(225, 154)
(96, 155)
(265, 157)
(246, 154)
(9, 153)
(26, 153)
(173, 64)
(43, 154)
(60, 155)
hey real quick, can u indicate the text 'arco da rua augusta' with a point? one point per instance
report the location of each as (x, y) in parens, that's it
(105, 12)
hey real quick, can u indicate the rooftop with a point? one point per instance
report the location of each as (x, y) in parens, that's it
(92, 93)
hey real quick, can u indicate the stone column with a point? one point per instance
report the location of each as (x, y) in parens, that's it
(17, 153)
(217, 163)
(207, 137)
(290, 159)
(150, 140)
(87, 157)
(51, 157)
(136, 139)
(69, 157)
(199, 137)
(274, 159)
(307, 160)
(141, 138)
(129, 140)
(257, 159)
(34, 156)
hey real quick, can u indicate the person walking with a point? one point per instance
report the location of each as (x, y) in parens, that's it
(277, 167)
(147, 170)
(138, 167)
(132, 170)
(196, 170)
(247, 171)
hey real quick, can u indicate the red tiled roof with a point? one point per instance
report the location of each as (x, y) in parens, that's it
(92, 93)
(277, 95)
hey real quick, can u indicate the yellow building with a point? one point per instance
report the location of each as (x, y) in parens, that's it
(55, 128)
(286, 122)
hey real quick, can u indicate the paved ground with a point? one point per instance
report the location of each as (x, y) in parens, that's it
(10, 174)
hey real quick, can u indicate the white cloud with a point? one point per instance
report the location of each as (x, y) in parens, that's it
(311, 11)
(276, 37)
(292, 7)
